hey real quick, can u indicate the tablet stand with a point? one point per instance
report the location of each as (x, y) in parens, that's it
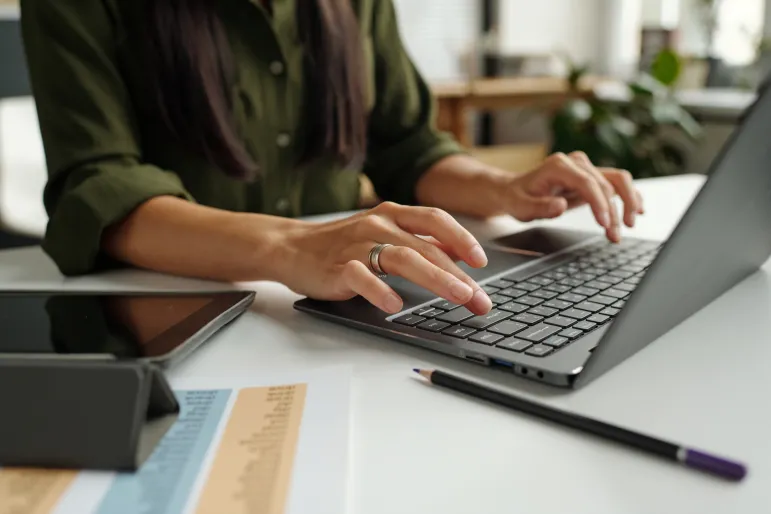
(82, 413)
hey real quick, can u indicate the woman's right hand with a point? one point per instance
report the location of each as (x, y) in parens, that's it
(329, 261)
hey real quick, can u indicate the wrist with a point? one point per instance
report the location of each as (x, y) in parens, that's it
(271, 251)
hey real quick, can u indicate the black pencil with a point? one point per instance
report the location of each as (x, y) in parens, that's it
(689, 457)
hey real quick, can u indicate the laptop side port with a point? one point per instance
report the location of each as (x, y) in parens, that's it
(479, 359)
(503, 363)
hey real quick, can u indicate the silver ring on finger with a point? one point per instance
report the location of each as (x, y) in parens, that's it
(374, 260)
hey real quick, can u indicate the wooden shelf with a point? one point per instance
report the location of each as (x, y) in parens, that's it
(456, 99)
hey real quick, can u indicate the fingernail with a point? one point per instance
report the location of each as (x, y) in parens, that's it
(393, 304)
(482, 300)
(478, 256)
(460, 291)
(605, 220)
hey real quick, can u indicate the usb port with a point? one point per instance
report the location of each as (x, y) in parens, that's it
(505, 364)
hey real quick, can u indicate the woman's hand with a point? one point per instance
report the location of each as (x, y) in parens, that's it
(329, 261)
(566, 181)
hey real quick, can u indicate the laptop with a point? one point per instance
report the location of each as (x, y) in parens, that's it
(568, 305)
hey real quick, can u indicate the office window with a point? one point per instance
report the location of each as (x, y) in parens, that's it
(739, 29)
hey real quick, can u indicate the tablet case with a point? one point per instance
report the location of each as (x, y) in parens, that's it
(82, 413)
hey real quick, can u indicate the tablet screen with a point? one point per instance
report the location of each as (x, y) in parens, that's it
(124, 325)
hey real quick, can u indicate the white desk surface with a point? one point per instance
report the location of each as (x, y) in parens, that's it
(421, 450)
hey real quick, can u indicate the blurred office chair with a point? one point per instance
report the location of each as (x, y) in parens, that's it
(22, 165)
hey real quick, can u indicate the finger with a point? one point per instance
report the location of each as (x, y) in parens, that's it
(624, 186)
(613, 232)
(389, 232)
(428, 221)
(480, 301)
(572, 176)
(640, 202)
(360, 280)
(407, 263)
(443, 247)
(529, 208)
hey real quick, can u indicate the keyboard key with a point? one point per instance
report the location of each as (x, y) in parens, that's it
(586, 291)
(512, 292)
(514, 345)
(609, 311)
(576, 313)
(616, 293)
(433, 325)
(594, 271)
(456, 316)
(554, 275)
(538, 333)
(541, 280)
(500, 284)
(626, 287)
(586, 277)
(487, 338)
(429, 312)
(572, 333)
(507, 328)
(633, 280)
(572, 297)
(585, 325)
(490, 289)
(584, 265)
(543, 311)
(491, 318)
(605, 300)
(560, 321)
(622, 274)
(557, 288)
(634, 268)
(459, 332)
(596, 284)
(410, 320)
(556, 341)
(598, 318)
(530, 319)
(558, 304)
(539, 350)
(619, 304)
(609, 279)
(542, 293)
(527, 286)
(514, 307)
(571, 282)
(499, 299)
(425, 310)
(445, 305)
(530, 300)
(589, 306)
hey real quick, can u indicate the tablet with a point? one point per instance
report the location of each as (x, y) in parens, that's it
(157, 327)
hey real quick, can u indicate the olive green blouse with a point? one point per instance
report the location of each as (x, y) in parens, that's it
(104, 160)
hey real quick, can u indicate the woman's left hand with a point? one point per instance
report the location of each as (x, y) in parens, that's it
(563, 182)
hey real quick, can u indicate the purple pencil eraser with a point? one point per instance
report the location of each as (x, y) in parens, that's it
(715, 465)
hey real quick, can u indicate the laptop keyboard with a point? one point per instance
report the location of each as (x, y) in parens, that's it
(542, 313)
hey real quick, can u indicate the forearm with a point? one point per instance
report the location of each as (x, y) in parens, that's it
(171, 235)
(463, 185)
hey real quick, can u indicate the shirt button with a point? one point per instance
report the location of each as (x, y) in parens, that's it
(283, 140)
(277, 67)
(282, 205)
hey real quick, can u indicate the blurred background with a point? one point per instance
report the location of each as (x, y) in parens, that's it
(652, 86)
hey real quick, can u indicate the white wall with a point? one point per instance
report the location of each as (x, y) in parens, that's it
(438, 33)
(541, 26)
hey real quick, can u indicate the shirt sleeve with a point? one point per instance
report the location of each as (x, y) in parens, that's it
(403, 140)
(96, 176)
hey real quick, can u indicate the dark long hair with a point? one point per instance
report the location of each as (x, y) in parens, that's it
(190, 71)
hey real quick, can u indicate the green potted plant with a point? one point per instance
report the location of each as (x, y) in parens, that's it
(633, 134)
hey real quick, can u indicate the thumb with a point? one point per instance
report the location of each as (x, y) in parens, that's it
(529, 208)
